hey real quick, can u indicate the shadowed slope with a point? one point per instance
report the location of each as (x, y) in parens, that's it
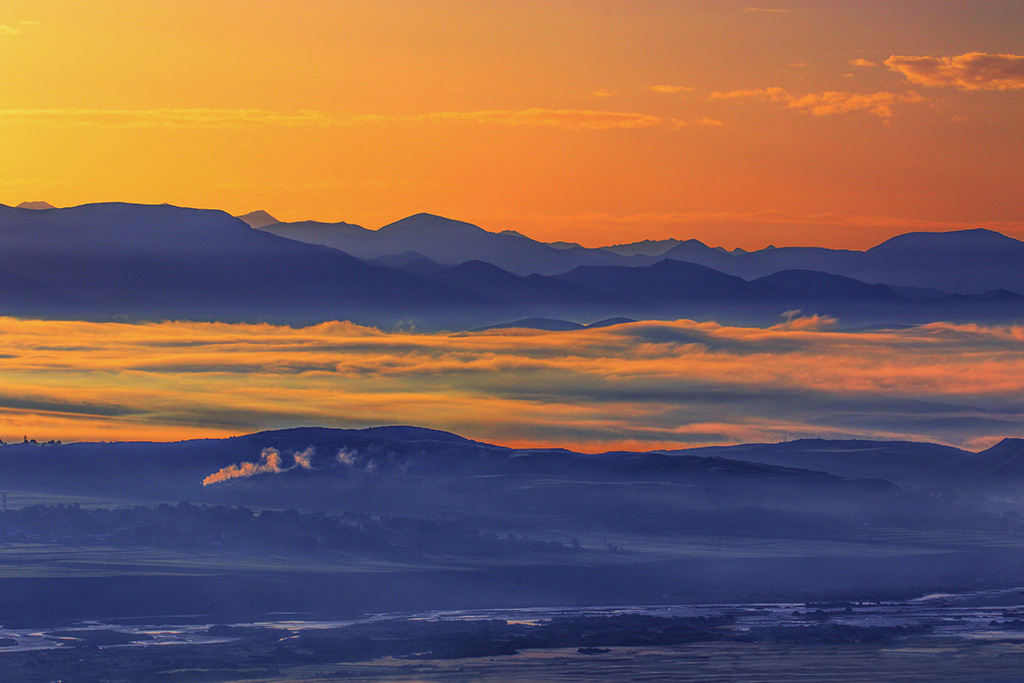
(912, 464)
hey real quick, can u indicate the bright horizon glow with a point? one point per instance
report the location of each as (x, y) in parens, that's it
(824, 122)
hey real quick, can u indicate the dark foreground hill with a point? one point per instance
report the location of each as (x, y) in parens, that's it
(806, 486)
(414, 471)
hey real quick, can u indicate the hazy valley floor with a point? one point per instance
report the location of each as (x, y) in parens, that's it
(967, 637)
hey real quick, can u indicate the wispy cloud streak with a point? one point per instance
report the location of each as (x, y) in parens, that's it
(165, 118)
(573, 119)
(579, 119)
(7, 30)
(672, 89)
(826, 103)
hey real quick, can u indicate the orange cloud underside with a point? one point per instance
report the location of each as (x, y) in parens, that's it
(643, 385)
(530, 116)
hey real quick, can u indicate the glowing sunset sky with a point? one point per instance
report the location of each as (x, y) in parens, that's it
(598, 121)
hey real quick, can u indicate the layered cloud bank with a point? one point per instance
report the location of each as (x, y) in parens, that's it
(643, 385)
(970, 71)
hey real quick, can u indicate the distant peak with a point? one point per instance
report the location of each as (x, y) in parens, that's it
(959, 239)
(258, 219)
(37, 206)
(480, 267)
(424, 216)
(430, 222)
(564, 245)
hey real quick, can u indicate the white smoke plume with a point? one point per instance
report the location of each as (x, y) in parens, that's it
(346, 457)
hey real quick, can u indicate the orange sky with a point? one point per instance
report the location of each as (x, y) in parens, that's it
(600, 121)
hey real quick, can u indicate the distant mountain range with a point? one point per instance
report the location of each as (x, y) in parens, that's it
(957, 262)
(129, 262)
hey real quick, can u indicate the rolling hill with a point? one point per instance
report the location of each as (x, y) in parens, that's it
(423, 472)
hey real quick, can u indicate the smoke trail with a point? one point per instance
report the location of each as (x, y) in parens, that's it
(270, 461)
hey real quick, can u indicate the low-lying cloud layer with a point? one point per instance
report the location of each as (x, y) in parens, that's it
(643, 385)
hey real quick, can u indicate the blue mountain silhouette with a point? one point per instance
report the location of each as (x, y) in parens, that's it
(128, 261)
(960, 262)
